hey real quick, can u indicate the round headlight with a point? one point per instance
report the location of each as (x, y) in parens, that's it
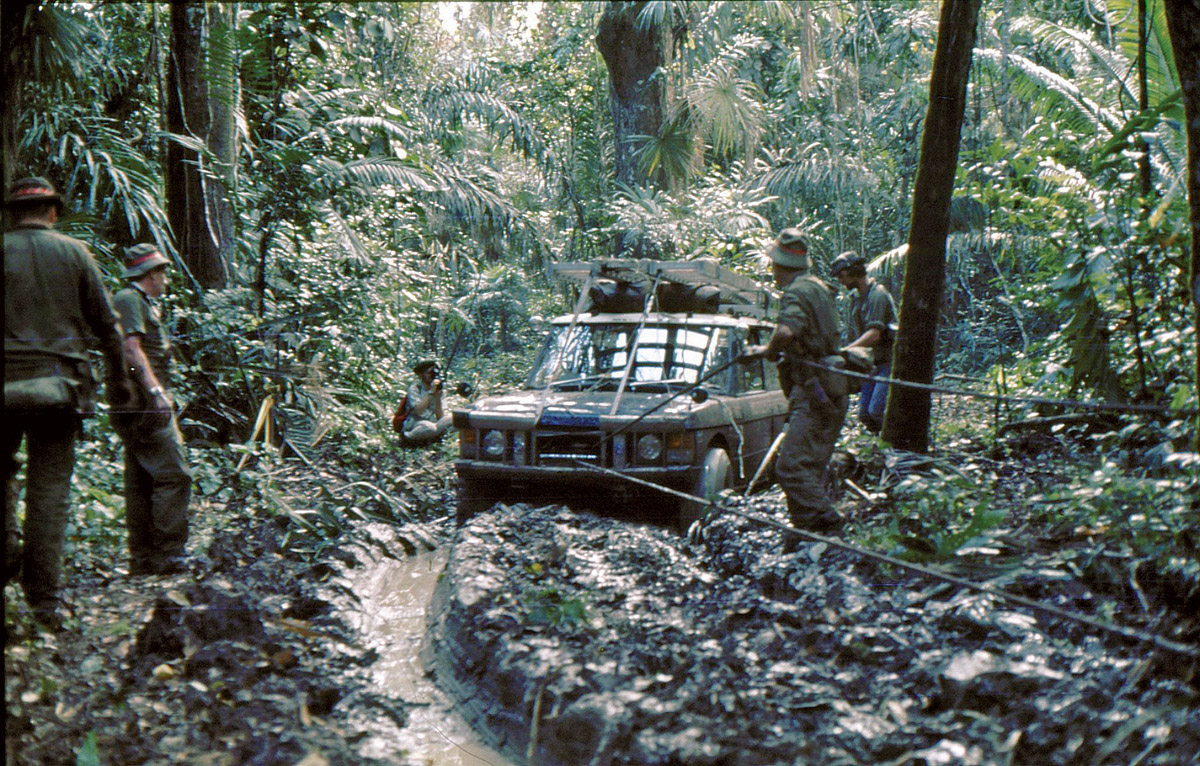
(493, 443)
(649, 447)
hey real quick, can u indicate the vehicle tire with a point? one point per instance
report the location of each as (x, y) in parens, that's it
(472, 498)
(716, 474)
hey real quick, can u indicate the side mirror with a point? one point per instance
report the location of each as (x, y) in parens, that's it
(699, 395)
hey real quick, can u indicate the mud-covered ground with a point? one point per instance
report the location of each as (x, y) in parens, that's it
(246, 659)
(601, 641)
(580, 640)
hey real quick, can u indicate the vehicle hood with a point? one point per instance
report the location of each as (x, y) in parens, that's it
(573, 408)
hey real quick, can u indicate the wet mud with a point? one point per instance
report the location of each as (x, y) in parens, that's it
(392, 602)
(573, 639)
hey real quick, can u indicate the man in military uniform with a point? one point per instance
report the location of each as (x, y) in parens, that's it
(425, 421)
(54, 301)
(874, 315)
(158, 481)
(808, 332)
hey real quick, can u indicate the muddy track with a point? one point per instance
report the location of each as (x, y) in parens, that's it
(578, 640)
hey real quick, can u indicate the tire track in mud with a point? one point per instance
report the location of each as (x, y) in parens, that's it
(634, 647)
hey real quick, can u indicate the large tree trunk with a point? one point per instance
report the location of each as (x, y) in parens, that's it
(224, 103)
(906, 423)
(635, 59)
(1183, 23)
(188, 194)
(13, 19)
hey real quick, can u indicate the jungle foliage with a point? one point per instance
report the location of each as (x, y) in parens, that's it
(402, 173)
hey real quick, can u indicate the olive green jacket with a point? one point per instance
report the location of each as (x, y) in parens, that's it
(139, 316)
(55, 308)
(806, 308)
(874, 309)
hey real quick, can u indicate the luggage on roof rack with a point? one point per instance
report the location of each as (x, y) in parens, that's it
(702, 286)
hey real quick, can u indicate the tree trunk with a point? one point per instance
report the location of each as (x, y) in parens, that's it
(638, 86)
(1183, 24)
(906, 422)
(188, 195)
(223, 107)
(13, 19)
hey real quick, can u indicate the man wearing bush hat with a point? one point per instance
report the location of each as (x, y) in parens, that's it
(158, 480)
(54, 301)
(808, 331)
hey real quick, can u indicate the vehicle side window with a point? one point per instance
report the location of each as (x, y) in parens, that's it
(759, 375)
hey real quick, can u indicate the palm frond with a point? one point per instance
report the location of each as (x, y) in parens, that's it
(45, 45)
(1048, 92)
(448, 104)
(671, 151)
(383, 125)
(724, 105)
(467, 200)
(815, 172)
(654, 15)
(374, 173)
(1161, 74)
(1115, 65)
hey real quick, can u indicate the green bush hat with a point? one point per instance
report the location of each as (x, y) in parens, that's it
(790, 249)
(846, 260)
(140, 259)
(423, 365)
(34, 190)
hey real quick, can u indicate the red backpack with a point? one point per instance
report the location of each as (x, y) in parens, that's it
(399, 415)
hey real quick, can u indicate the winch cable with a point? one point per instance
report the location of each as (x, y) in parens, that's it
(1066, 403)
(687, 390)
(1132, 634)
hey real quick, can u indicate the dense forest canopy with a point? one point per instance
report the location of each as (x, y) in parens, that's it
(350, 186)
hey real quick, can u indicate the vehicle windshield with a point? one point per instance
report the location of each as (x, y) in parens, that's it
(595, 356)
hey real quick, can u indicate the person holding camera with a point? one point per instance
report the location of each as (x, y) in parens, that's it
(425, 420)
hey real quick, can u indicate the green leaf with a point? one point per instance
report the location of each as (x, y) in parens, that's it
(88, 753)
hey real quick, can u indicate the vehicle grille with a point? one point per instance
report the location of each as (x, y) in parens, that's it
(563, 448)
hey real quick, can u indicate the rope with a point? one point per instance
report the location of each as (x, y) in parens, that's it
(1120, 630)
(1067, 403)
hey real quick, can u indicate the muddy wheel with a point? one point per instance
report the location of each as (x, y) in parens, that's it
(472, 499)
(716, 474)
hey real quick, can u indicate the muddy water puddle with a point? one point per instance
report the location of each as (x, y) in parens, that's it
(395, 596)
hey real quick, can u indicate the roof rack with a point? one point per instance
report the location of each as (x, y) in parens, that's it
(737, 294)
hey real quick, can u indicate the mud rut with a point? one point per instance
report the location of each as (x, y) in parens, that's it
(573, 639)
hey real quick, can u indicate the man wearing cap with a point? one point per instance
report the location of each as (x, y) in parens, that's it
(54, 302)
(158, 481)
(808, 332)
(874, 315)
(426, 421)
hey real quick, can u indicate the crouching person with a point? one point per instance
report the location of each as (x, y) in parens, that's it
(158, 480)
(425, 419)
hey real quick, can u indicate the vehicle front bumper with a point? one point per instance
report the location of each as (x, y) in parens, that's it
(573, 480)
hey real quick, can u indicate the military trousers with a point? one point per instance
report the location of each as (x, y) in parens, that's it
(158, 490)
(50, 460)
(812, 432)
